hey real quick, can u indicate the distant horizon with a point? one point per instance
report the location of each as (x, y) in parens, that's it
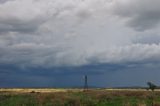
(78, 87)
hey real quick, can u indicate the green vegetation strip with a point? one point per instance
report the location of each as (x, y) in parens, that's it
(89, 98)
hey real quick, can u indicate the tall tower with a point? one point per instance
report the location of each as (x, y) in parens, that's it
(85, 83)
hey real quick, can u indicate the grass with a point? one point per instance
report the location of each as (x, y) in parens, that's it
(79, 98)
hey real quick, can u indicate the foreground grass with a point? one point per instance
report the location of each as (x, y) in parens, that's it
(89, 98)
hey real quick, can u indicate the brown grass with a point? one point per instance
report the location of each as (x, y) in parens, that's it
(61, 97)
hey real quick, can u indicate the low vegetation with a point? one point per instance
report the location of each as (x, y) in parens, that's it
(79, 98)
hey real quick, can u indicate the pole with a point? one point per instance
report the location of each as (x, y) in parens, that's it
(86, 83)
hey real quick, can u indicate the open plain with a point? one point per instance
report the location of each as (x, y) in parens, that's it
(78, 97)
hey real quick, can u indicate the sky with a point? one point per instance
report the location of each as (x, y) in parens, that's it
(54, 43)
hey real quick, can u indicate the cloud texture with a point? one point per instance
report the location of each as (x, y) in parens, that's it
(58, 33)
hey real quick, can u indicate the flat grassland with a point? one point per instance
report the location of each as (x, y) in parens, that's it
(78, 97)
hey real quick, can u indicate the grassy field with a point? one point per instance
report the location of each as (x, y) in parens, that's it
(76, 97)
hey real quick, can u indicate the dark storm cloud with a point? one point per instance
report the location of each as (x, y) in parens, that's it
(124, 75)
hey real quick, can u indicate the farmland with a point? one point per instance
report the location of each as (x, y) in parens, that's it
(76, 97)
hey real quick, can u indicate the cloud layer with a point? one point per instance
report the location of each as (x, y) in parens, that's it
(38, 33)
(140, 15)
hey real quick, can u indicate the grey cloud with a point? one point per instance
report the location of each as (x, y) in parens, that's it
(140, 15)
(147, 39)
(4, 1)
(35, 56)
(135, 53)
(70, 34)
(21, 16)
(28, 15)
(19, 27)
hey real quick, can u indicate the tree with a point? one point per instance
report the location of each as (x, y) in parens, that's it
(151, 86)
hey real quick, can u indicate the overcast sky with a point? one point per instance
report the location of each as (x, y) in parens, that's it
(48, 43)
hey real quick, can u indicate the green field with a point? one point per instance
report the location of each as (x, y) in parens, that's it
(80, 98)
